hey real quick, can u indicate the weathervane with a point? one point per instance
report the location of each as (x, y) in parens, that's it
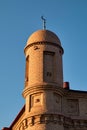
(44, 22)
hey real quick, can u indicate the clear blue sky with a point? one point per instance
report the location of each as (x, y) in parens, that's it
(18, 19)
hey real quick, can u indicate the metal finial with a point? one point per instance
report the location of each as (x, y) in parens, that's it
(44, 22)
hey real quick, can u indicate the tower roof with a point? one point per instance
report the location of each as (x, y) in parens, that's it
(43, 36)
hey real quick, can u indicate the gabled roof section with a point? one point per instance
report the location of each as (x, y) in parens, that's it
(16, 119)
(18, 116)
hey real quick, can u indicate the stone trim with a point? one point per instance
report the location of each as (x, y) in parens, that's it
(55, 119)
(38, 88)
(44, 43)
(76, 94)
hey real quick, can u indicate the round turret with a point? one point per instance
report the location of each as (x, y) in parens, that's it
(43, 77)
(43, 53)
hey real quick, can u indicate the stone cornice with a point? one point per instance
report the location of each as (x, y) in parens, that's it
(53, 87)
(39, 88)
(76, 94)
(44, 43)
(54, 118)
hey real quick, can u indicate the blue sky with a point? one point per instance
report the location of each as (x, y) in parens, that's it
(18, 20)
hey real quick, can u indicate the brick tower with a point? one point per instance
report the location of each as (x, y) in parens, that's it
(50, 103)
(43, 80)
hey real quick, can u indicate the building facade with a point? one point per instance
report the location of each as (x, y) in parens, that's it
(50, 104)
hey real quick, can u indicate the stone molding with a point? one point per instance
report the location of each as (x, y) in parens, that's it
(55, 119)
(39, 88)
(44, 43)
(55, 87)
(76, 94)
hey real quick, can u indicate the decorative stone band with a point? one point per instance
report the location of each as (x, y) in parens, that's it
(40, 88)
(54, 119)
(44, 43)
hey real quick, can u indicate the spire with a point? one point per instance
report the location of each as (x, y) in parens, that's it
(44, 22)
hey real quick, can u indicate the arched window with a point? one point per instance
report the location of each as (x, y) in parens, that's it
(27, 71)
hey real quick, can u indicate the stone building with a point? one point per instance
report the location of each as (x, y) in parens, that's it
(50, 104)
